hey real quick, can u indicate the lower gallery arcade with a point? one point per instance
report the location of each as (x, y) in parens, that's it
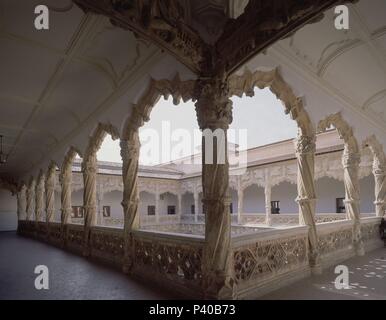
(213, 230)
(272, 228)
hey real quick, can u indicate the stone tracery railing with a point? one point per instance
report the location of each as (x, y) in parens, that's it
(107, 244)
(74, 237)
(272, 255)
(370, 233)
(166, 257)
(264, 258)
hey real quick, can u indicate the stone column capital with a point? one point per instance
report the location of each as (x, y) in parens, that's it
(213, 106)
(350, 159)
(305, 144)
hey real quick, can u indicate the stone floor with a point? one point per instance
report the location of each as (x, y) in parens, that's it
(70, 276)
(74, 277)
(367, 278)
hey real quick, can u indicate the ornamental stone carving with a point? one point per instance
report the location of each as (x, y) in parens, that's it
(130, 156)
(50, 193)
(89, 169)
(39, 197)
(305, 154)
(214, 111)
(379, 171)
(350, 161)
(22, 202)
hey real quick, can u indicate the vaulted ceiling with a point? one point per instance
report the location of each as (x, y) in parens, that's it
(349, 64)
(55, 85)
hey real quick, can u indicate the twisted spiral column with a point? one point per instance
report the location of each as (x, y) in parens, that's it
(305, 154)
(350, 161)
(130, 156)
(214, 114)
(89, 169)
(379, 171)
(39, 194)
(50, 195)
(30, 201)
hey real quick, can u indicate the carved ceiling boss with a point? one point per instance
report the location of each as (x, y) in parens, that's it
(203, 35)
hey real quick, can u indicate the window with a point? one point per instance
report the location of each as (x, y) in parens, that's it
(106, 211)
(231, 208)
(340, 206)
(275, 207)
(171, 209)
(151, 210)
(192, 209)
(77, 212)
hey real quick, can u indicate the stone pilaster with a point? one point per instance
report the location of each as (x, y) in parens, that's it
(379, 171)
(50, 195)
(39, 199)
(350, 161)
(130, 155)
(305, 154)
(214, 114)
(89, 169)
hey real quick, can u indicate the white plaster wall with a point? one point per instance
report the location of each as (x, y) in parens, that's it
(77, 198)
(113, 199)
(254, 200)
(187, 202)
(167, 199)
(145, 199)
(8, 211)
(327, 190)
(286, 193)
(234, 200)
(367, 194)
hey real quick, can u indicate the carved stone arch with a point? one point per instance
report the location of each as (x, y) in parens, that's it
(376, 149)
(41, 176)
(51, 170)
(293, 105)
(97, 138)
(343, 128)
(277, 181)
(157, 88)
(69, 158)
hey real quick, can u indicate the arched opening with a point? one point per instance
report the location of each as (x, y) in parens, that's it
(147, 202)
(262, 133)
(284, 194)
(168, 204)
(254, 200)
(330, 196)
(109, 184)
(110, 209)
(367, 187)
(188, 206)
(77, 211)
(234, 201)
(71, 180)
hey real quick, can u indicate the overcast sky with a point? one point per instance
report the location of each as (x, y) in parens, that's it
(262, 116)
